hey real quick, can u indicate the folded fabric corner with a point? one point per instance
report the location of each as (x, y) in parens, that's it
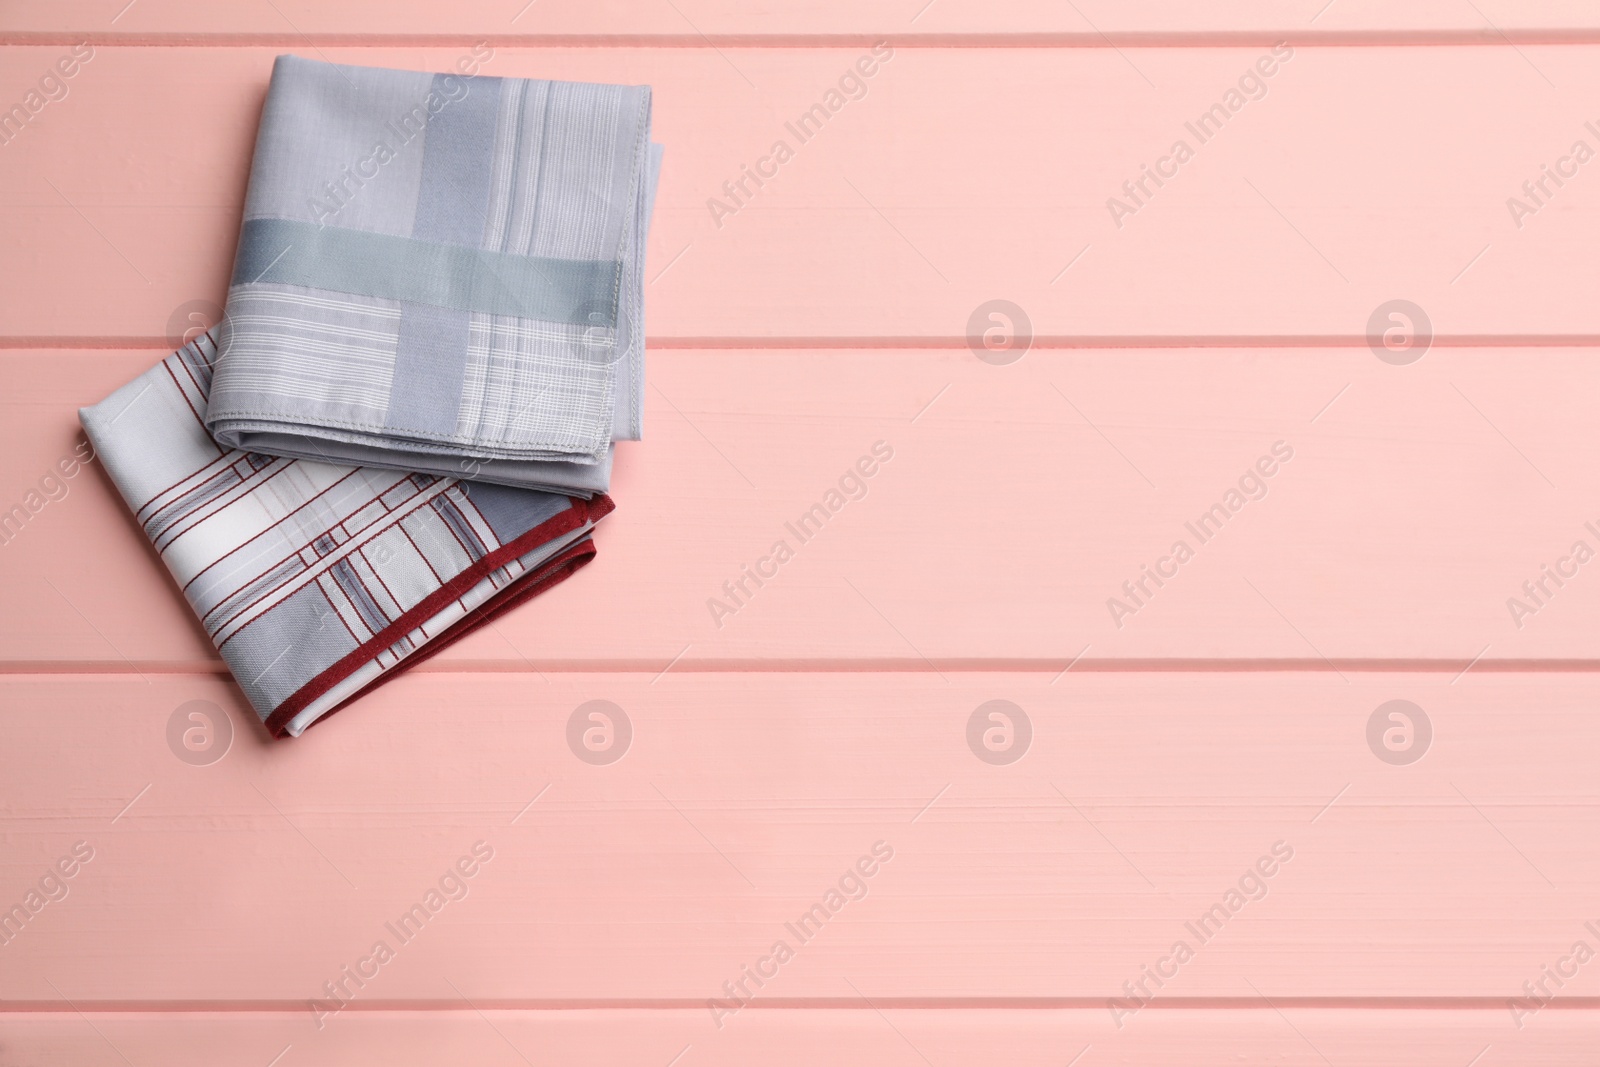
(317, 581)
(441, 273)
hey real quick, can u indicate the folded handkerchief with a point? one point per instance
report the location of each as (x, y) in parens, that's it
(318, 581)
(443, 273)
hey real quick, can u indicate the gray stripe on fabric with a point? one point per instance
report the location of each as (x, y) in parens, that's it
(452, 202)
(453, 199)
(426, 272)
(430, 364)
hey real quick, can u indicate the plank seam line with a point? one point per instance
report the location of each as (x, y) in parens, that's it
(50, 669)
(1077, 1003)
(941, 342)
(953, 40)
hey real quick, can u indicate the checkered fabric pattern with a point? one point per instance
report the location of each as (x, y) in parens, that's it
(441, 273)
(315, 580)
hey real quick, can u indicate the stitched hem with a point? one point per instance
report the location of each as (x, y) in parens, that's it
(543, 577)
(555, 571)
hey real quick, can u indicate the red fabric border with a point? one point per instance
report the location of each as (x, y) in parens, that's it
(553, 571)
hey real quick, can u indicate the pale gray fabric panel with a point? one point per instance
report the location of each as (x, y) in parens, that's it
(505, 508)
(318, 151)
(428, 366)
(288, 646)
(453, 199)
(285, 252)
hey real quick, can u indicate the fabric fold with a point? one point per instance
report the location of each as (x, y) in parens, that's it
(317, 581)
(441, 273)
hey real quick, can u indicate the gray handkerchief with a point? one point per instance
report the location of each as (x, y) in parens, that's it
(442, 273)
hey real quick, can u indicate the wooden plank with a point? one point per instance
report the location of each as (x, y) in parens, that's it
(896, 1037)
(742, 800)
(893, 220)
(1018, 501)
(670, 24)
(834, 722)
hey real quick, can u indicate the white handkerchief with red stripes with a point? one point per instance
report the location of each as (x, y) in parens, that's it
(317, 581)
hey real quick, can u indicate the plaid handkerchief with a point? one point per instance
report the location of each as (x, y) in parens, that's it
(318, 581)
(442, 273)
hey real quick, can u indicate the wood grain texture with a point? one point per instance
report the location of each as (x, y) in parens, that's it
(1350, 183)
(1087, 23)
(1018, 502)
(1217, 734)
(742, 800)
(895, 1038)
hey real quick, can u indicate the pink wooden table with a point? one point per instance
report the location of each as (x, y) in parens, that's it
(1008, 775)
